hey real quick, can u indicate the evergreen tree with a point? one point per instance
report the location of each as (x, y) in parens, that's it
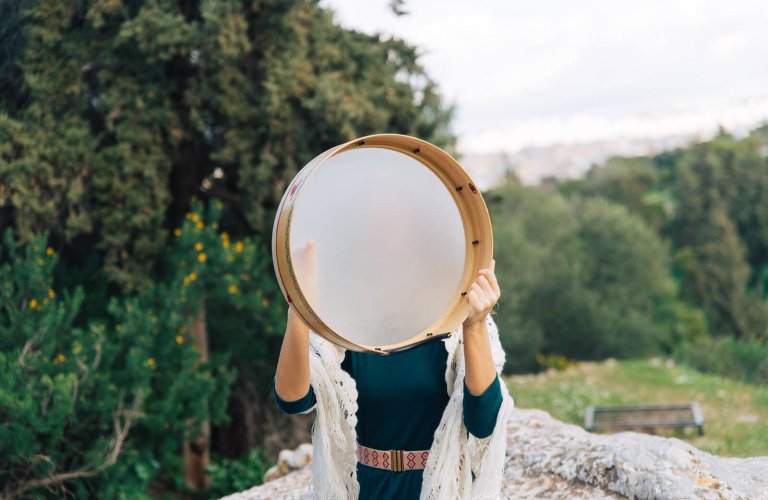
(711, 257)
(120, 112)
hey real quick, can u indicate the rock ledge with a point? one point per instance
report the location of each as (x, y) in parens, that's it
(549, 459)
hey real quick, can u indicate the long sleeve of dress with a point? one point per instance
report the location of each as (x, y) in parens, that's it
(301, 405)
(480, 411)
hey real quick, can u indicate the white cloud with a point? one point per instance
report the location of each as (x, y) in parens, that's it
(557, 70)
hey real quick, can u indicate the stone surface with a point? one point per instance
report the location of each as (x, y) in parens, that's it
(289, 461)
(548, 459)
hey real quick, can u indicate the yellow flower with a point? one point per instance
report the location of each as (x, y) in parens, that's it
(224, 235)
(201, 257)
(40, 262)
(185, 281)
(198, 246)
(76, 349)
(61, 358)
(177, 232)
(225, 244)
(192, 276)
(33, 303)
(199, 225)
(49, 251)
(179, 339)
(265, 302)
(193, 217)
(239, 247)
(150, 361)
(51, 293)
(233, 289)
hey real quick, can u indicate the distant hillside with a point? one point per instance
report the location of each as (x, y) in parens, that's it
(531, 164)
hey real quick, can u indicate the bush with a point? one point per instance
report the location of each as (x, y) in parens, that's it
(100, 409)
(584, 279)
(237, 475)
(735, 358)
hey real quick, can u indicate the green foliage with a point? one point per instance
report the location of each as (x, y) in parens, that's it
(727, 356)
(71, 390)
(114, 117)
(709, 201)
(122, 112)
(634, 183)
(554, 361)
(582, 278)
(237, 475)
(715, 196)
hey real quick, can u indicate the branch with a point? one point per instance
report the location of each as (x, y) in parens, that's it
(123, 420)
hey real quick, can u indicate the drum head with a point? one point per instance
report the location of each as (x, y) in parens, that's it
(396, 242)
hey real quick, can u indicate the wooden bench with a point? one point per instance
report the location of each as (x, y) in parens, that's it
(644, 417)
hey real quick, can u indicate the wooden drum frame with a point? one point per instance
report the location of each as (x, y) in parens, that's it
(478, 237)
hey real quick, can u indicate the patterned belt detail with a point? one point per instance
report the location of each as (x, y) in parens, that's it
(394, 460)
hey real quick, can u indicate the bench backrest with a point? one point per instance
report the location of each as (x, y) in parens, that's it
(643, 416)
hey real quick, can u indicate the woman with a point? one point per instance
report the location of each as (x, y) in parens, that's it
(440, 406)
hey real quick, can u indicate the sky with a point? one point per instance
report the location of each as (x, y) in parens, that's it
(546, 72)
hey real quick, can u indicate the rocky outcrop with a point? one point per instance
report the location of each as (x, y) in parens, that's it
(548, 459)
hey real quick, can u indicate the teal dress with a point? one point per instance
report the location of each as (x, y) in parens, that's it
(401, 399)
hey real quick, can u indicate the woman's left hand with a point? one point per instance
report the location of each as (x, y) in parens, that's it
(482, 296)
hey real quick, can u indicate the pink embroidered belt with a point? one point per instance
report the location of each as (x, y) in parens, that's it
(394, 460)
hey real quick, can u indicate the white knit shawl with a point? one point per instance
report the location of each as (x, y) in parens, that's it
(455, 454)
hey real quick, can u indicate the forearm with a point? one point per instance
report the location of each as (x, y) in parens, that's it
(292, 374)
(480, 369)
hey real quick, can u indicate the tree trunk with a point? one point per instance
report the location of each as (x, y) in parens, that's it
(197, 454)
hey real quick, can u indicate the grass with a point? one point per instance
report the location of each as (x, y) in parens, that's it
(735, 413)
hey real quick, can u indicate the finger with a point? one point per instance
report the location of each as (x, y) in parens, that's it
(487, 288)
(473, 300)
(483, 300)
(493, 281)
(493, 264)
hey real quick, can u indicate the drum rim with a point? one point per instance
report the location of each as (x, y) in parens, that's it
(469, 202)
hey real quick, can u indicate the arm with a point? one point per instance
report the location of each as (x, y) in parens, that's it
(482, 296)
(292, 373)
(482, 392)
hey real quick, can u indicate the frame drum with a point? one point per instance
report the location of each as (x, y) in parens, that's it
(400, 233)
